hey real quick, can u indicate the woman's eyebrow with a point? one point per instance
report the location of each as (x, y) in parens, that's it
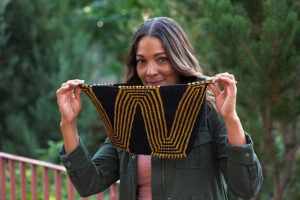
(159, 53)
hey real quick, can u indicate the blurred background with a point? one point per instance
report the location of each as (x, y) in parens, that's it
(44, 43)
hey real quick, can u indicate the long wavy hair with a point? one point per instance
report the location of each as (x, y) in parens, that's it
(178, 49)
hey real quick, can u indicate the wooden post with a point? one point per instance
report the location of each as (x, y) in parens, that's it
(12, 179)
(57, 180)
(2, 179)
(45, 183)
(34, 185)
(23, 180)
(114, 193)
(71, 195)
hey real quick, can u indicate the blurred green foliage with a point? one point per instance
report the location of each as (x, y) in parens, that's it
(44, 43)
(45, 46)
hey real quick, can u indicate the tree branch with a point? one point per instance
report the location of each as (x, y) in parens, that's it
(218, 42)
(249, 53)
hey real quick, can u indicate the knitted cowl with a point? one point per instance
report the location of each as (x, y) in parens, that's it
(161, 121)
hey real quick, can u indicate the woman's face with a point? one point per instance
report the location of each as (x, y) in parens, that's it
(153, 66)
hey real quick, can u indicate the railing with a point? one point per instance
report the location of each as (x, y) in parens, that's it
(34, 165)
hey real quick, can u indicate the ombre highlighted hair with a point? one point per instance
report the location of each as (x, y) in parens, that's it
(178, 49)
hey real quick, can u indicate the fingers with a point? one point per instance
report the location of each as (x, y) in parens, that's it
(69, 87)
(226, 80)
(226, 74)
(62, 89)
(215, 89)
(73, 83)
(77, 94)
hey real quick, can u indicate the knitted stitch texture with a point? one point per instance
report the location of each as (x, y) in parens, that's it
(161, 121)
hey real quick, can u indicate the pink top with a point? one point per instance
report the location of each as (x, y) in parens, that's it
(144, 178)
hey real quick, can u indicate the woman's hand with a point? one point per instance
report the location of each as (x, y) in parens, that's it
(69, 106)
(225, 102)
(226, 99)
(68, 102)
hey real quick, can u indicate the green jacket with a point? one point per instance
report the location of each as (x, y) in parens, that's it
(200, 175)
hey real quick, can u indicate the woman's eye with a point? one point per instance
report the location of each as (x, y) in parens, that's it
(139, 61)
(163, 59)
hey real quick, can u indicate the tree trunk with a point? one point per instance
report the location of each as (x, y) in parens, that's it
(284, 176)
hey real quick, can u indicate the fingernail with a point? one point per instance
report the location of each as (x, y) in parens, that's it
(214, 80)
(81, 81)
(66, 86)
(76, 83)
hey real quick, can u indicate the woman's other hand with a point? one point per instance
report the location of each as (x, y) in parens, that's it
(69, 105)
(225, 102)
(69, 102)
(226, 99)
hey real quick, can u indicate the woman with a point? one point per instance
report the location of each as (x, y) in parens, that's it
(160, 54)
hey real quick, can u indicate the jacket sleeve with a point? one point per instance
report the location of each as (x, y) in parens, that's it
(238, 164)
(91, 176)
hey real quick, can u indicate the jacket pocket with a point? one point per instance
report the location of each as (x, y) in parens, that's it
(201, 155)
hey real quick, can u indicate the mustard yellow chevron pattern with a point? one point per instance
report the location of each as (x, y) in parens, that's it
(88, 90)
(164, 143)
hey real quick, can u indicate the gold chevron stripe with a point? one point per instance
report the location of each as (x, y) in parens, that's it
(90, 93)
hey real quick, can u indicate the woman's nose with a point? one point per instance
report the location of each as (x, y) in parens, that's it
(151, 69)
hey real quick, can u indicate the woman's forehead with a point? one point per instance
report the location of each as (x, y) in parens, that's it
(150, 45)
